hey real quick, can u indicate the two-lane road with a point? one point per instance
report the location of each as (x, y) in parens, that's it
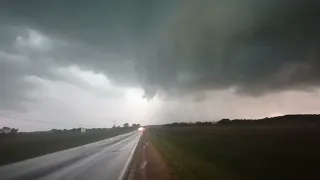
(103, 160)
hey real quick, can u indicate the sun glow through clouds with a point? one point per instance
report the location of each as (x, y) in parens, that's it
(134, 97)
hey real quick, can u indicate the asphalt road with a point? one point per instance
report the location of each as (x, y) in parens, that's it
(103, 160)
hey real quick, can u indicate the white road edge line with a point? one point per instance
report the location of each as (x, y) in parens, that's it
(126, 166)
(143, 165)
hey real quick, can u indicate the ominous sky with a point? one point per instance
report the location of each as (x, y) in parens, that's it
(72, 63)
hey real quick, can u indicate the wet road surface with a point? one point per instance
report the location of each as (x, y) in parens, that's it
(103, 160)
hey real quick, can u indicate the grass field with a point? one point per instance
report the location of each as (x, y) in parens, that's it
(256, 153)
(23, 146)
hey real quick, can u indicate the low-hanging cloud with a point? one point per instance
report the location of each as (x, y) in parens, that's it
(171, 47)
(256, 47)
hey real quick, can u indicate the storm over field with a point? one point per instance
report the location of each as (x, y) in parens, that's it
(92, 63)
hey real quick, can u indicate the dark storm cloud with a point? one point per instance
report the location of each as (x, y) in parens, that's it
(111, 23)
(102, 36)
(255, 46)
(174, 47)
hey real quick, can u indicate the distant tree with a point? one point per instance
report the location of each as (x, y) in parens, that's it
(224, 121)
(175, 124)
(6, 130)
(75, 130)
(126, 125)
(54, 130)
(135, 126)
(183, 124)
(13, 131)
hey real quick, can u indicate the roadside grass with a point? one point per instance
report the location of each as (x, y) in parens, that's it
(240, 152)
(185, 165)
(23, 146)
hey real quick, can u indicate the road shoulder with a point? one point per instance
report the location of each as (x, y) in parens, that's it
(148, 163)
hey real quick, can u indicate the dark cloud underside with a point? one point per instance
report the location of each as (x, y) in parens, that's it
(256, 46)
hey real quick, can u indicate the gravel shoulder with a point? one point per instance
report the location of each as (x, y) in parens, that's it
(148, 164)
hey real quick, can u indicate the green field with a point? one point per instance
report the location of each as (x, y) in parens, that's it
(256, 153)
(23, 146)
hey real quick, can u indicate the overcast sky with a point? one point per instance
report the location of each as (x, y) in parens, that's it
(79, 63)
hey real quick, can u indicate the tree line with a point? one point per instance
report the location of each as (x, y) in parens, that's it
(8, 130)
(83, 130)
(278, 120)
